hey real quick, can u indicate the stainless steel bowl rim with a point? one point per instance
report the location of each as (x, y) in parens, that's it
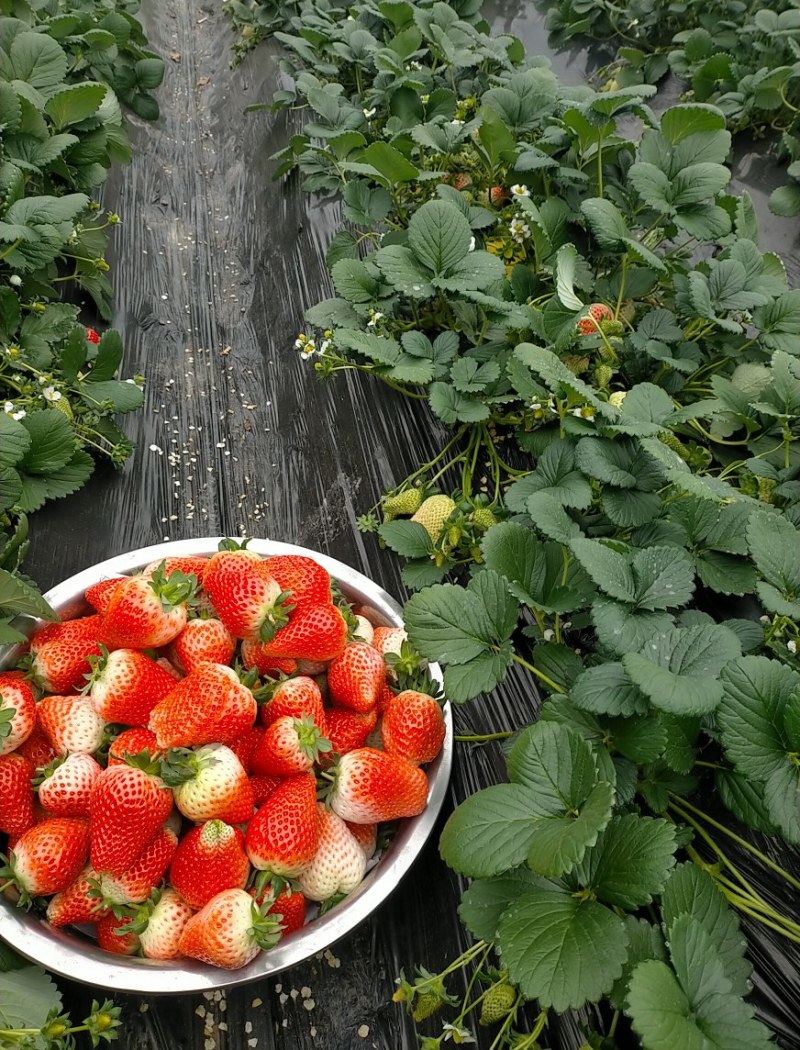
(64, 953)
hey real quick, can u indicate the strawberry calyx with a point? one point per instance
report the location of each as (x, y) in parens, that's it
(104, 903)
(230, 544)
(10, 880)
(182, 765)
(310, 739)
(139, 914)
(264, 692)
(331, 902)
(6, 717)
(277, 616)
(266, 929)
(97, 665)
(143, 760)
(176, 589)
(43, 772)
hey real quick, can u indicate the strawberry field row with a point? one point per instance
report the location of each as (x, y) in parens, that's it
(615, 512)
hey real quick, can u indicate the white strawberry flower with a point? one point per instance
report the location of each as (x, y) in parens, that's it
(15, 280)
(51, 394)
(792, 647)
(519, 230)
(617, 398)
(457, 1034)
(584, 412)
(520, 190)
(472, 244)
(374, 317)
(369, 113)
(424, 99)
(456, 123)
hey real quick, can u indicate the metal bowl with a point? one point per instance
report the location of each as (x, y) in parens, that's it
(77, 956)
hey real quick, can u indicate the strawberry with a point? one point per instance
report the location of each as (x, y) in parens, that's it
(127, 808)
(459, 181)
(71, 724)
(364, 631)
(99, 594)
(16, 794)
(191, 565)
(498, 195)
(290, 745)
(355, 678)
(348, 730)
(229, 931)
(433, 514)
(263, 786)
(113, 937)
(366, 835)
(133, 742)
(37, 748)
(248, 600)
(203, 641)
(126, 685)
(209, 783)
(298, 696)
(288, 907)
(317, 632)
(413, 727)
(146, 613)
(61, 653)
(138, 882)
(170, 668)
(77, 903)
(255, 658)
(92, 336)
(48, 857)
(389, 639)
(339, 863)
(67, 785)
(17, 711)
(282, 837)
(385, 697)
(211, 858)
(164, 921)
(244, 746)
(597, 312)
(372, 786)
(210, 705)
(305, 580)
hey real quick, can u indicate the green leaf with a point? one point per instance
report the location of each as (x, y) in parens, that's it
(680, 670)
(407, 538)
(37, 59)
(645, 941)
(566, 260)
(664, 578)
(679, 122)
(18, 598)
(561, 950)
(401, 268)
(75, 103)
(606, 221)
(390, 162)
(556, 763)
(449, 623)
(452, 407)
(28, 996)
(490, 832)
(15, 440)
(555, 374)
(610, 570)
(354, 282)
(630, 864)
(550, 518)
(439, 235)
(745, 799)
(560, 842)
(38, 488)
(485, 900)
(607, 690)
(484, 673)
(621, 628)
(775, 548)
(555, 476)
(121, 395)
(52, 442)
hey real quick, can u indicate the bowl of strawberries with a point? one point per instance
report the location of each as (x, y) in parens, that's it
(217, 762)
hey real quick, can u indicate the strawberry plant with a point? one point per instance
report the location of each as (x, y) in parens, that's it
(614, 512)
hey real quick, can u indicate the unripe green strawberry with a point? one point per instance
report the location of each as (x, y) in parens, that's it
(483, 518)
(498, 1003)
(433, 513)
(672, 441)
(453, 535)
(603, 375)
(426, 1005)
(403, 502)
(612, 327)
(766, 487)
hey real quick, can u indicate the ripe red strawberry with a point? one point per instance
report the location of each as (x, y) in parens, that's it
(348, 730)
(339, 863)
(597, 312)
(61, 653)
(248, 600)
(371, 786)
(460, 180)
(229, 931)
(389, 639)
(16, 794)
(71, 724)
(37, 748)
(385, 697)
(413, 727)
(263, 786)
(210, 705)
(288, 907)
(244, 746)
(113, 937)
(289, 745)
(305, 580)
(203, 641)
(355, 678)
(67, 785)
(48, 857)
(126, 685)
(211, 858)
(209, 784)
(137, 883)
(282, 837)
(146, 613)
(189, 565)
(128, 806)
(17, 711)
(498, 195)
(318, 632)
(165, 919)
(99, 594)
(133, 742)
(366, 835)
(92, 336)
(255, 658)
(300, 697)
(78, 903)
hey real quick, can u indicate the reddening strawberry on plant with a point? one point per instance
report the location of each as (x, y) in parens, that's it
(66, 785)
(318, 632)
(209, 859)
(210, 705)
(71, 724)
(348, 730)
(16, 794)
(92, 335)
(355, 678)
(77, 903)
(300, 697)
(99, 594)
(131, 742)
(161, 923)
(248, 600)
(413, 727)
(203, 641)
(128, 806)
(146, 613)
(283, 835)
(371, 786)
(60, 653)
(229, 931)
(137, 883)
(17, 711)
(339, 863)
(126, 685)
(209, 783)
(114, 936)
(47, 857)
(596, 312)
(290, 745)
(306, 581)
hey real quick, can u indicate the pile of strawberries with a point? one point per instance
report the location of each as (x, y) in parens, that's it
(209, 751)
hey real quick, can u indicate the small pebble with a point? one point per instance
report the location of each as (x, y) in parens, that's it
(210, 1044)
(144, 1007)
(278, 988)
(259, 1002)
(309, 1004)
(252, 1042)
(248, 1027)
(283, 998)
(363, 1031)
(223, 1026)
(305, 991)
(294, 993)
(200, 1011)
